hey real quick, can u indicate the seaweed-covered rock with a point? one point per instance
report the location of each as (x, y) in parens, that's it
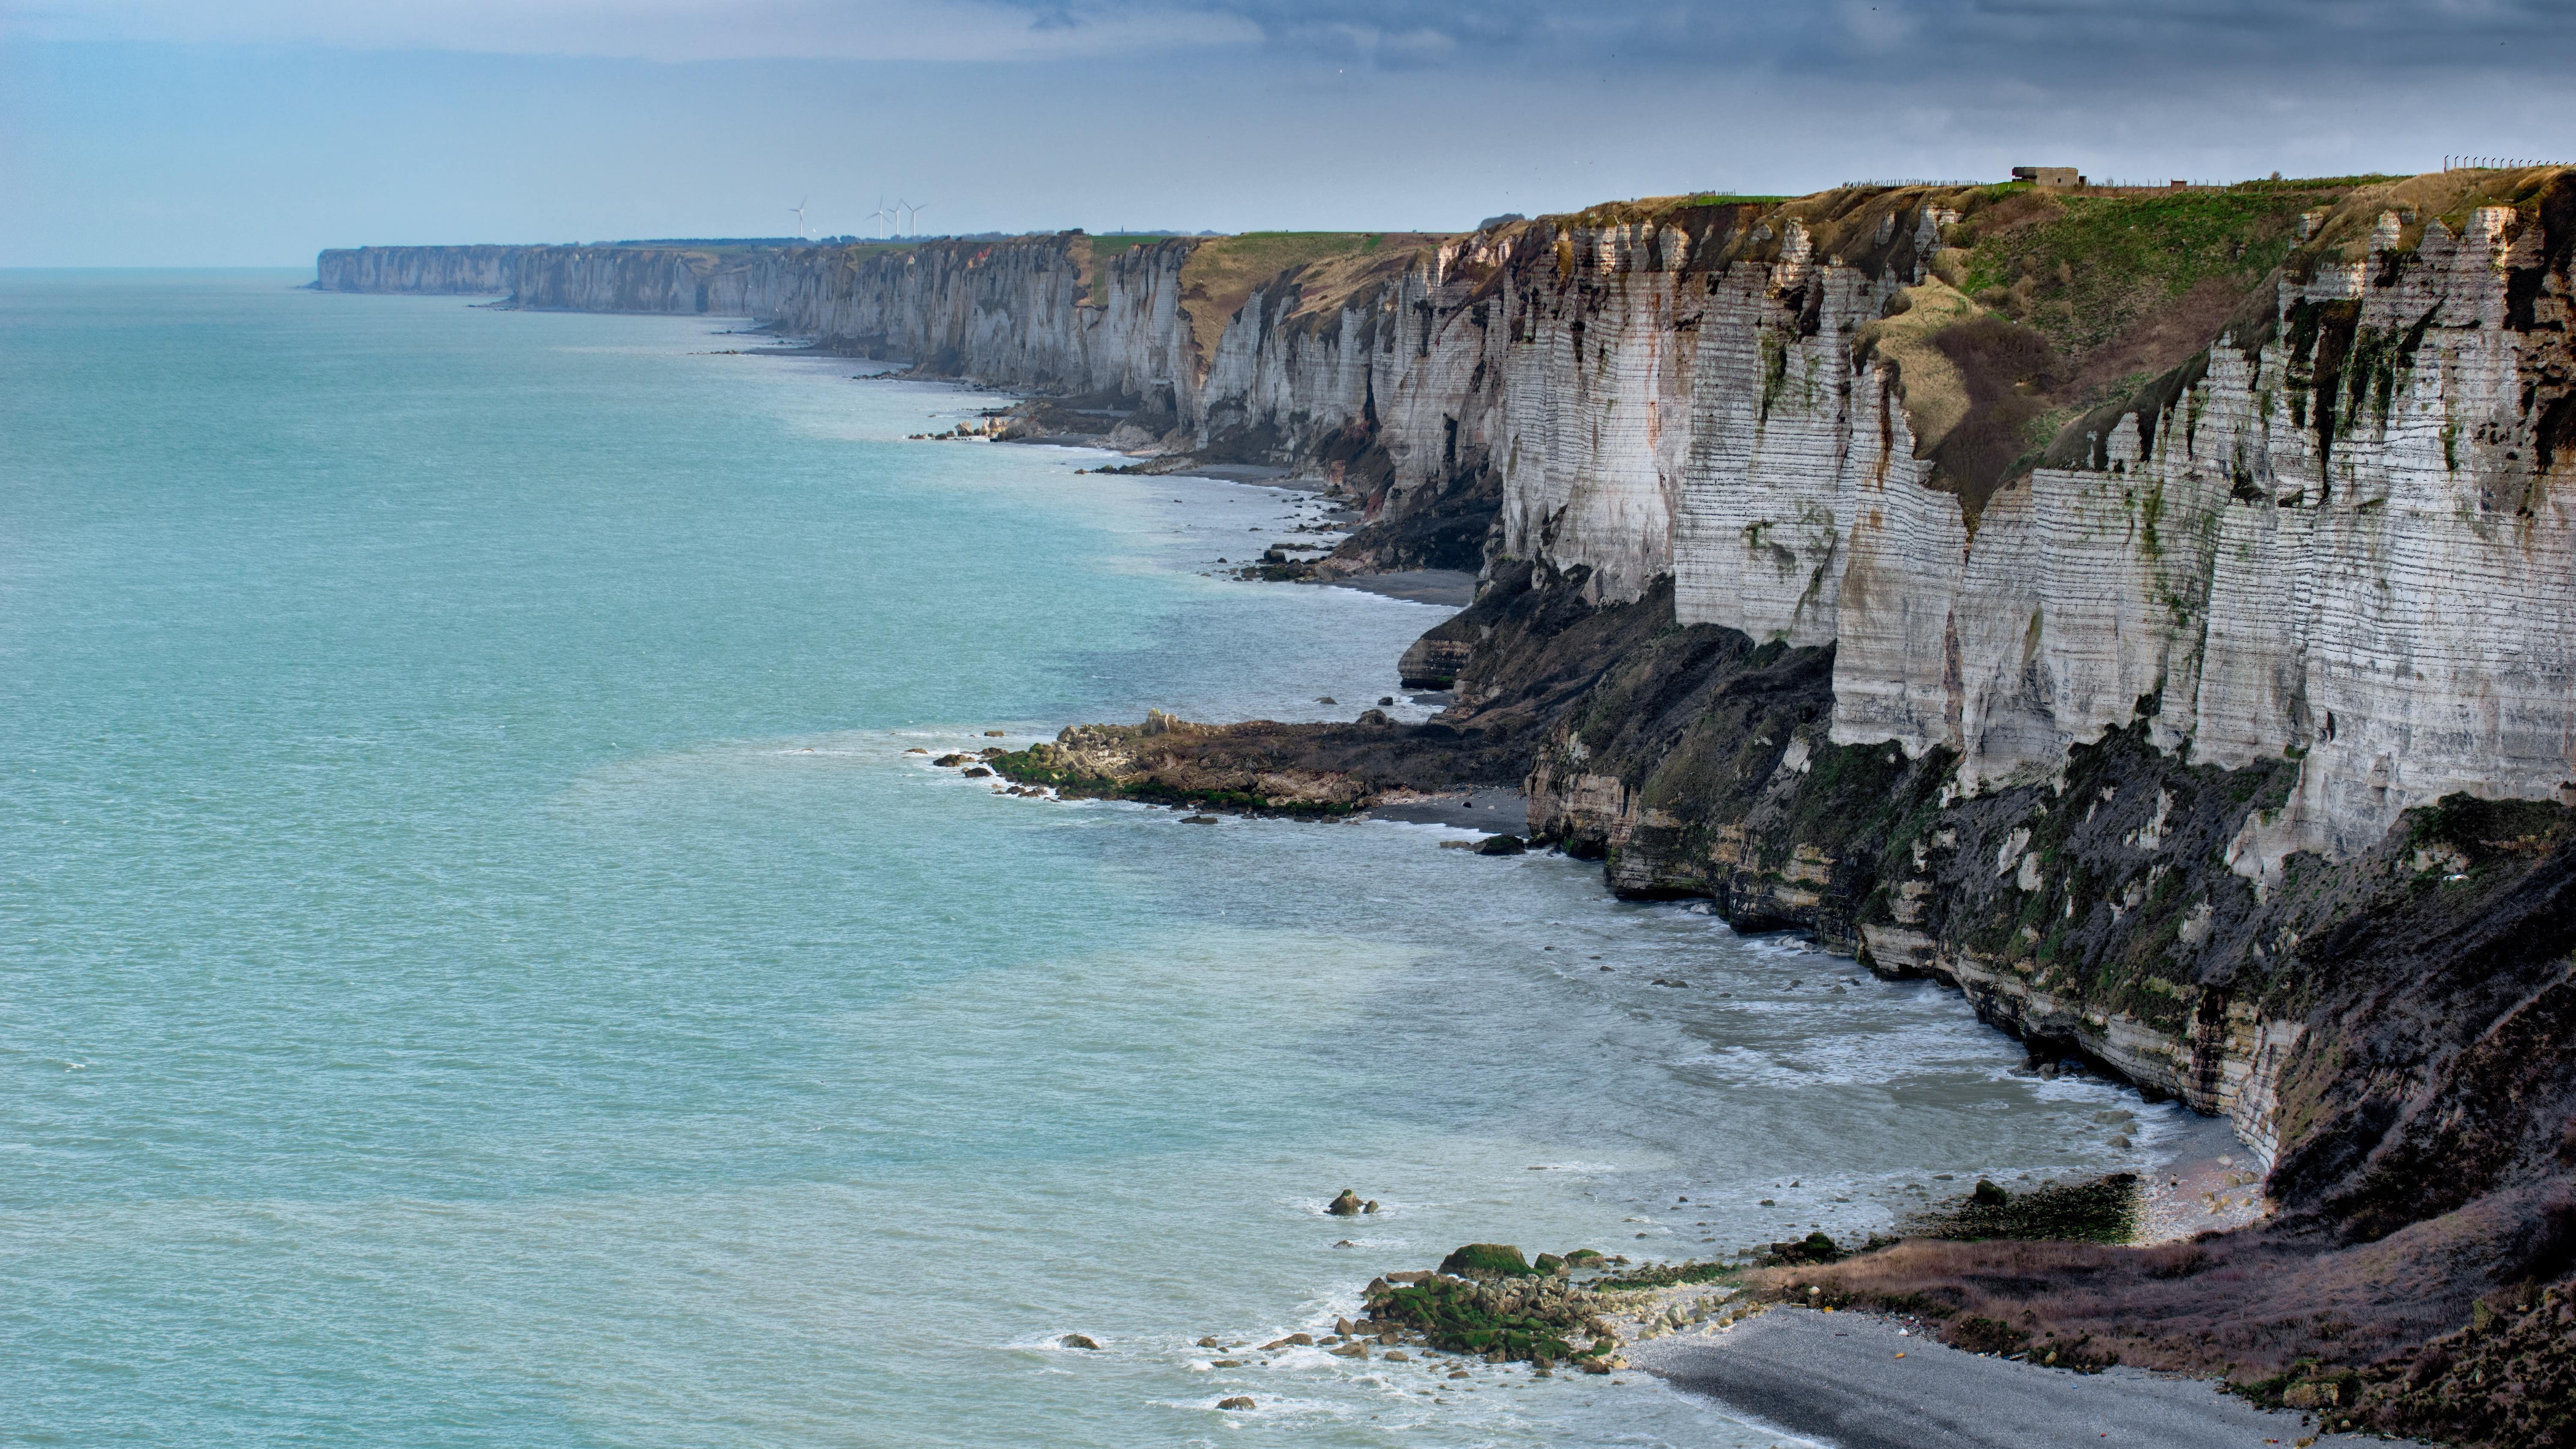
(1814, 1248)
(1348, 1205)
(1499, 1314)
(1487, 1259)
(2104, 1210)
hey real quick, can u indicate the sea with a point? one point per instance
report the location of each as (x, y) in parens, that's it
(485, 960)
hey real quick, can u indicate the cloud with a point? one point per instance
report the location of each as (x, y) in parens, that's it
(1963, 42)
(1968, 39)
(655, 30)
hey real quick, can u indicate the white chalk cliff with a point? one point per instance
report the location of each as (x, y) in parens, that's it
(2381, 583)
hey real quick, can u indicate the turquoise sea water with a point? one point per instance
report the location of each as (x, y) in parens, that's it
(478, 966)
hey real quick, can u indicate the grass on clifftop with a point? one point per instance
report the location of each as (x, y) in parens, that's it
(1222, 274)
(2082, 270)
(1094, 253)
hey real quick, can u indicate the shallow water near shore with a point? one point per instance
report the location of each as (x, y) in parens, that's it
(482, 965)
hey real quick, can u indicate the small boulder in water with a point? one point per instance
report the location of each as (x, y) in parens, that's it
(1080, 1340)
(1239, 1401)
(1345, 1206)
(1386, 699)
(950, 762)
(1502, 845)
(979, 773)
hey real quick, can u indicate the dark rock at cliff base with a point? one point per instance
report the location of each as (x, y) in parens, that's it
(952, 761)
(1386, 699)
(979, 773)
(1502, 845)
(1345, 1206)
(1198, 819)
(1373, 717)
(1814, 1248)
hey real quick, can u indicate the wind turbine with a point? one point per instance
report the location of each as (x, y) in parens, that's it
(901, 206)
(916, 217)
(799, 209)
(881, 215)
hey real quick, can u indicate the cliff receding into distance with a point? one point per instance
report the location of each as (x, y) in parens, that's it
(2152, 612)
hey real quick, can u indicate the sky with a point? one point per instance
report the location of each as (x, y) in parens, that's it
(255, 132)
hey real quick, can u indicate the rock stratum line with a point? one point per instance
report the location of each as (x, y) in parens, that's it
(2153, 614)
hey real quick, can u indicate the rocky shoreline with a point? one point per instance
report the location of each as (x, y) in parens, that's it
(2395, 1354)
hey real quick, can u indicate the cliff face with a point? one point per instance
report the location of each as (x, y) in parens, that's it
(440, 271)
(2285, 562)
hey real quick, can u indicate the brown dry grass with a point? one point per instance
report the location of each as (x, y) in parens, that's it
(2448, 196)
(1223, 273)
(1936, 395)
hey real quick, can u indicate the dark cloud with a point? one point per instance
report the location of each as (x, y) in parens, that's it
(1970, 40)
